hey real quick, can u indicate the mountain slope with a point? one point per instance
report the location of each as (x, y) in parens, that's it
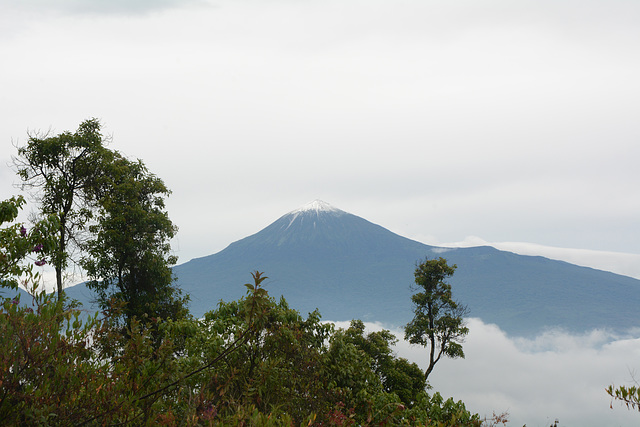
(322, 257)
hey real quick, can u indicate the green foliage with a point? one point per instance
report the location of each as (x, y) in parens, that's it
(396, 375)
(628, 396)
(52, 372)
(275, 368)
(41, 379)
(21, 248)
(112, 210)
(438, 322)
(57, 370)
(449, 412)
(129, 255)
(63, 171)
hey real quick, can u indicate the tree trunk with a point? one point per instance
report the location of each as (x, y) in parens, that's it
(432, 353)
(59, 256)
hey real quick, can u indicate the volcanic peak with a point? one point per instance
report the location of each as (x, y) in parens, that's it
(316, 206)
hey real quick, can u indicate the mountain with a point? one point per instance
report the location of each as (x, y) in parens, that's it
(322, 257)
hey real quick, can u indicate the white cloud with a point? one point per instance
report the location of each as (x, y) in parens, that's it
(616, 262)
(551, 376)
(122, 7)
(625, 264)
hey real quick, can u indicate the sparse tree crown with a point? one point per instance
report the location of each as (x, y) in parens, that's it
(438, 322)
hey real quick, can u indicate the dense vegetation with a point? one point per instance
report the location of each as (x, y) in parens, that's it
(249, 362)
(143, 360)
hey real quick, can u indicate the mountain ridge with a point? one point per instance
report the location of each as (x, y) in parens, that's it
(349, 268)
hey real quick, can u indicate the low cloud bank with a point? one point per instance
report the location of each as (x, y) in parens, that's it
(554, 375)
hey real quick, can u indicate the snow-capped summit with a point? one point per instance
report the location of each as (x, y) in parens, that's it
(316, 206)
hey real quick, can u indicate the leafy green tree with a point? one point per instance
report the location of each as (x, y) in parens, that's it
(50, 373)
(438, 321)
(276, 367)
(62, 171)
(376, 388)
(352, 378)
(129, 254)
(449, 413)
(112, 211)
(397, 375)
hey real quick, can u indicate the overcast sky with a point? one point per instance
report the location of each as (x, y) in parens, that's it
(440, 120)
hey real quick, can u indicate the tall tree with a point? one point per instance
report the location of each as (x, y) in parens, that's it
(438, 321)
(129, 254)
(62, 172)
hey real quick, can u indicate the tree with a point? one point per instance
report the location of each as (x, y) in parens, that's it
(129, 254)
(49, 374)
(63, 171)
(438, 321)
(397, 375)
(277, 366)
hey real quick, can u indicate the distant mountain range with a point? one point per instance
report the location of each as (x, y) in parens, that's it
(322, 257)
